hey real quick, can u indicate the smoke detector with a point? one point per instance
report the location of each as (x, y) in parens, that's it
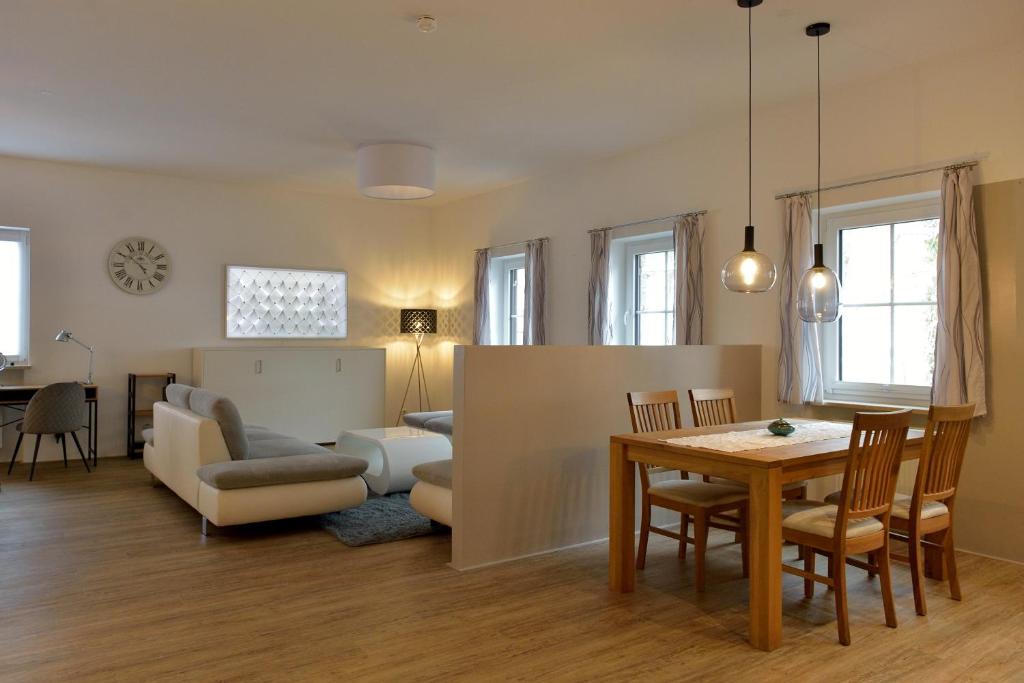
(426, 24)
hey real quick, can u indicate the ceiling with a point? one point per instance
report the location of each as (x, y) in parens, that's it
(284, 92)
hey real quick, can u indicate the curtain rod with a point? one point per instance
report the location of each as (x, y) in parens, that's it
(650, 220)
(876, 179)
(512, 244)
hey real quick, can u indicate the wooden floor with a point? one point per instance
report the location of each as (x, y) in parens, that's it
(103, 577)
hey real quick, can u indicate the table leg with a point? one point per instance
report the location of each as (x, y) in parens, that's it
(621, 531)
(765, 528)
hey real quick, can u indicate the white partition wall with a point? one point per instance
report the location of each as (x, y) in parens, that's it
(531, 435)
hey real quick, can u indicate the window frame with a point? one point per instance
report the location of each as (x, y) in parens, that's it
(625, 327)
(24, 236)
(922, 206)
(502, 268)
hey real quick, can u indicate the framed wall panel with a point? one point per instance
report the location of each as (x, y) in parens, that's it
(286, 303)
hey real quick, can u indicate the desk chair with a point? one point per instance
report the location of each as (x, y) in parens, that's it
(57, 409)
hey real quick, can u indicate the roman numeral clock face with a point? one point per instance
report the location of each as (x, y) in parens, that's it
(138, 265)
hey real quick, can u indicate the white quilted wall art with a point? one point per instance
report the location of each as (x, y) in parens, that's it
(278, 303)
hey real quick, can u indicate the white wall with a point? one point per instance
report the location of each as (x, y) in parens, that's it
(77, 213)
(971, 105)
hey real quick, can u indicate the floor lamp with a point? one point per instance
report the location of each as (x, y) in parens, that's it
(417, 322)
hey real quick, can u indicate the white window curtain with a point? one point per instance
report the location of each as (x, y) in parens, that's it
(598, 330)
(536, 292)
(481, 297)
(688, 238)
(959, 336)
(800, 378)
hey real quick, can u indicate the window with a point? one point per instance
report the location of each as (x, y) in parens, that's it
(508, 287)
(883, 347)
(643, 290)
(14, 263)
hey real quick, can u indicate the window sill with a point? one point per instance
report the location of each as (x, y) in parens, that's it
(858, 405)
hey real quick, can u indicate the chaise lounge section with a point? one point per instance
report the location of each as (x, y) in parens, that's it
(233, 473)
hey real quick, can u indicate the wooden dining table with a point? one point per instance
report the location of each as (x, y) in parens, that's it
(765, 471)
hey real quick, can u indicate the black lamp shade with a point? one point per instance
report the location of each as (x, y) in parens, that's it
(418, 321)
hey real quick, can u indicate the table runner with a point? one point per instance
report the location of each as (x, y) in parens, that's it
(752, 440)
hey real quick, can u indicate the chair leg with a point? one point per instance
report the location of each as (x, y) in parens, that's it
(64, 448)
(838, 562)
(872, 561)
(684, 531)
(17, 445)
(80, 453)
(700, 544)
(645, 533)
(35, 454)
(949, 555)
(808, 553)
(914, 552)
(885, 579)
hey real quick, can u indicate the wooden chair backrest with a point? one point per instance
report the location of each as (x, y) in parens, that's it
(876, 451)
(712, 407)
(654, 411)
(945, 441)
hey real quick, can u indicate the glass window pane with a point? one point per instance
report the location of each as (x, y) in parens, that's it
(652, 281)
(10, 310)
(865, 265)
(652, 328)
(916, 244)
(520, 280)
(865, 336)
(914, 339)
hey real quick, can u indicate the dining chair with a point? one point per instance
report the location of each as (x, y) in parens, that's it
(929, 509)
(714, 407)
(57, 409)
(859, 521)
(697, 500)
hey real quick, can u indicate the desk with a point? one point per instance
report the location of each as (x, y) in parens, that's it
(18, 395)
(764, 470)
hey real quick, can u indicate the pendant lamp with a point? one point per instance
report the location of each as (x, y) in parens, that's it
(817, 299)
(749, 271)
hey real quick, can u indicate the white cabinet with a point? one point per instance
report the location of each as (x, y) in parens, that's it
(309, 392)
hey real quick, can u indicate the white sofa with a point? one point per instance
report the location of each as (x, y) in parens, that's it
(233, 474)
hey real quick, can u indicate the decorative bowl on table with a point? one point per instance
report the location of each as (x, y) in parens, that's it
(781, 428)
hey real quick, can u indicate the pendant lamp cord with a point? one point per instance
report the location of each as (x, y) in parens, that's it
(817, 42)
(750, 116)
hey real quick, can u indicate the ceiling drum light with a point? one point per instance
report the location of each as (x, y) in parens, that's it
(818, 297)
(395, 171)
(749, 271)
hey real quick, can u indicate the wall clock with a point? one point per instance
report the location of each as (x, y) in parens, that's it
(138, 265)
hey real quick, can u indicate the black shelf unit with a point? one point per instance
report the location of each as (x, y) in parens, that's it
(133, 444)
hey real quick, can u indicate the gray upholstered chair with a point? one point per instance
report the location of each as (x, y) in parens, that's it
(57, 409)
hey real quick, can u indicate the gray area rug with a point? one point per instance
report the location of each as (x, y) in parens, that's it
(381, 519)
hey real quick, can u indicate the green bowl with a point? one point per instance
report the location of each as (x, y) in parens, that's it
(781, 428)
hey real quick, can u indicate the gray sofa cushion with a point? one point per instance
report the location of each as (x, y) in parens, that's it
(294, 469)
(261, 433)
(421, 419)
(178, 395)
(280, 446)
(438, 473)
(441, 425)
(220, 408)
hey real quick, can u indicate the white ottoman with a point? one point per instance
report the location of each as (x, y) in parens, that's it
(391, 453)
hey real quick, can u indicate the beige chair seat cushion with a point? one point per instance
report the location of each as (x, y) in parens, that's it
(901, 506)
(820, 520)
(698, 492)
(785, 487)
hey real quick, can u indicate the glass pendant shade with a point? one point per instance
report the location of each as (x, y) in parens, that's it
(748, 271)
(818, 298)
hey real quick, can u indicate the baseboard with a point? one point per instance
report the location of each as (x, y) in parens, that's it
(990, 557)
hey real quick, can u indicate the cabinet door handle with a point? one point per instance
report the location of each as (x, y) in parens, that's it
(259, 367)
(337, 365)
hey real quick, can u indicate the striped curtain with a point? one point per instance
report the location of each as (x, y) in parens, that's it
(536, 292)
(688, 237)
(800, 376)
(960, 336)
(481, 296)
(598, 330)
